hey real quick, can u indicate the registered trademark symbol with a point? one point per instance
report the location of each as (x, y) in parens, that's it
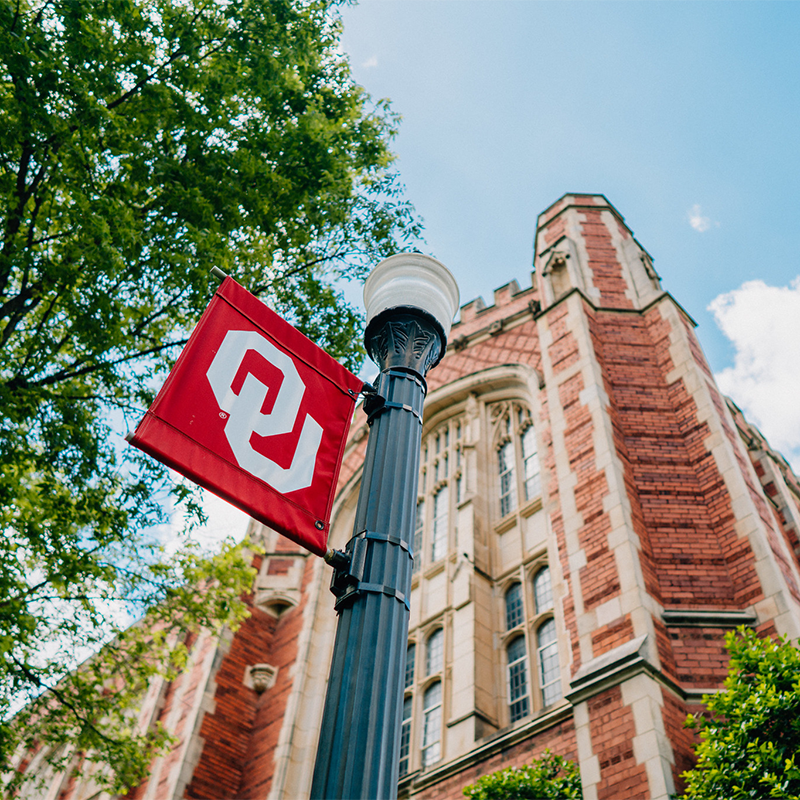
(223, 415)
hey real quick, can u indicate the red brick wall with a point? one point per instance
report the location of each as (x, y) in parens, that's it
(682, 510)
(520, 345)
(701, 660)
(612, 635)
(603, 262)
(240, 736)
(612, 730)
(271, 706)
(674, 713)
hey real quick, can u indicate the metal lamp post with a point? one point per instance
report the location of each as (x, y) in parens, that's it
(411, 300)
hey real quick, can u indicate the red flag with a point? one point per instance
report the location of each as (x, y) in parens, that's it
(256, 413)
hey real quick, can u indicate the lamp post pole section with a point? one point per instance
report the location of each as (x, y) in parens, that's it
(411, 300)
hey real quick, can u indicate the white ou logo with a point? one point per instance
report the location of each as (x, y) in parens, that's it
(246, 418)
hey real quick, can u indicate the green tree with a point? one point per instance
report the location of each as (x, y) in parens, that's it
(550, 777)
(750, 739)
(141, 143)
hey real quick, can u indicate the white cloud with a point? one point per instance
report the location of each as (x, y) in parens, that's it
(696, 219)
(763, 323)
(370, 63)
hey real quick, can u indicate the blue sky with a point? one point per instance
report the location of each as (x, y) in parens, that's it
(684, 114)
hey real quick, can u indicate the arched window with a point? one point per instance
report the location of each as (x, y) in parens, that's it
(434, 652)
(518, 467)
(410, 655)
(514, 609)
(530, 463)
(419, 527)
(508, 485)
(549, 677)
(517, 679)
(440, 520)
(432, 724)
(543, 590)
(405, 735)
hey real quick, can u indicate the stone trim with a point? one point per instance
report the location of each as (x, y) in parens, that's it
(638, 311)
(475, 713)
(607, 670)
(625, 662)
(707, 618)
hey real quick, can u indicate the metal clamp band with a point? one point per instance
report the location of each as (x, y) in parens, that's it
(403, 407)
(383, 537)
(389, 591)
(409, 376)
(376, 404)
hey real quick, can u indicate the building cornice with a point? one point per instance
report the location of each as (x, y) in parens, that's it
(611, 309)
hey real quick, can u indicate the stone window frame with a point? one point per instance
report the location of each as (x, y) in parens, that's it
(434, 711)
(406, 728)
(411, 649)
(521, 701)
(510, 421)
(519, 608)
(529, 627)
(442, 469)
(536, 575)
(542, 687)
(540, 617)
(437, 668)
(407, 723)
(423, 680)
(419, 535)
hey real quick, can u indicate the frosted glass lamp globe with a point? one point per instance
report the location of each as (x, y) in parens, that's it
(413, 281)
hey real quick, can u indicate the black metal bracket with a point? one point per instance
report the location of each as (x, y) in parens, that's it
(347, 581)
(348, 570)
(375, 404)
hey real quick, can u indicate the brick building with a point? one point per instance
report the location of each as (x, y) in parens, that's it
(593, 516)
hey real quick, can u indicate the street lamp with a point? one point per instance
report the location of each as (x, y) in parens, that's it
(410, 300)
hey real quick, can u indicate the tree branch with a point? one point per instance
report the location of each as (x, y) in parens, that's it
(66, 374)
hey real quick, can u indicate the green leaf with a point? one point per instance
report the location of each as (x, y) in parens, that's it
(143, 142)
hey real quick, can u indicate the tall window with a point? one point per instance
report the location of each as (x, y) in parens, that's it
(432, 724)
(405, 735)
(440, 470)
(508, 484)
(419, 527)
(440, 521)
(530, 464)
(543, 590)
(514, 609)
(434, 652)
(517, 456)
(549, 678)
(517, 679)
(410, 655)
